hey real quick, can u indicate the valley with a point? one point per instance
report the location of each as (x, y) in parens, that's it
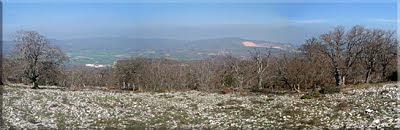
(107, 50)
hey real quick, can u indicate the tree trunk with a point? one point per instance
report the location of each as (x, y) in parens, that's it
(337, 77)
(343, 80)
(383, 78)
(298, 88)
(367, 75)
(123, 85)
(35, 85)
(260, 81)
(133, 86)
(241, 84)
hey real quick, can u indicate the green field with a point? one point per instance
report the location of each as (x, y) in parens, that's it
(107, 57)
(95, 56)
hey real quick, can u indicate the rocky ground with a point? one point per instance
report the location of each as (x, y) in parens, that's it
(374, 106)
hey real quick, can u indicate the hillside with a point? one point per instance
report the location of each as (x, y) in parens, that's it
(53, 107)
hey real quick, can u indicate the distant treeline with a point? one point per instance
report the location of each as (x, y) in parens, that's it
(336, 58)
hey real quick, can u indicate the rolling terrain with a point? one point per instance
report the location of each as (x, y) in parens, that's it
(107, 50)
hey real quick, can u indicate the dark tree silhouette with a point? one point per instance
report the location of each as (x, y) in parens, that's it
(36, 56)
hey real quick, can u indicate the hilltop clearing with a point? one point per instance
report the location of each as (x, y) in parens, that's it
(52, 107)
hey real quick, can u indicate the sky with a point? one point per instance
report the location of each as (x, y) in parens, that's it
(271, 20)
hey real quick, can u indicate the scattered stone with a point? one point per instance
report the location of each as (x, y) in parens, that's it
(98, 109)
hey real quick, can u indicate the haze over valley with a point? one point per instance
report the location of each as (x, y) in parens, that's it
(107, 50)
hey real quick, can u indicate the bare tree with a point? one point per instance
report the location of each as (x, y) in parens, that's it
(388, 53)
(343, 49)
(36, 55)
(261, 60)
(372, 47)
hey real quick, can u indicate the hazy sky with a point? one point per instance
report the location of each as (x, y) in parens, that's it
(285, 21)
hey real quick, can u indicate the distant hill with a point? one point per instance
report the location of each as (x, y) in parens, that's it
(120, 43)
(169, 44)
(7, 46)
(106, 50)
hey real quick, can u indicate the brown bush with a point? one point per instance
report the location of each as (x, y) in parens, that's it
(226, 90)
(329, 90)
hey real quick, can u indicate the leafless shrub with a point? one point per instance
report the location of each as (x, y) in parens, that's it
(339, 57)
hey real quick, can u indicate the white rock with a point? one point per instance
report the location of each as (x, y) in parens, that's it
(369, 110)
(376, 121)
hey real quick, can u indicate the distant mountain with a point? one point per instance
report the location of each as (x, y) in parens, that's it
(120, 43)
(7, 46)
(170, 44)
(220, 43)
(107, 50)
